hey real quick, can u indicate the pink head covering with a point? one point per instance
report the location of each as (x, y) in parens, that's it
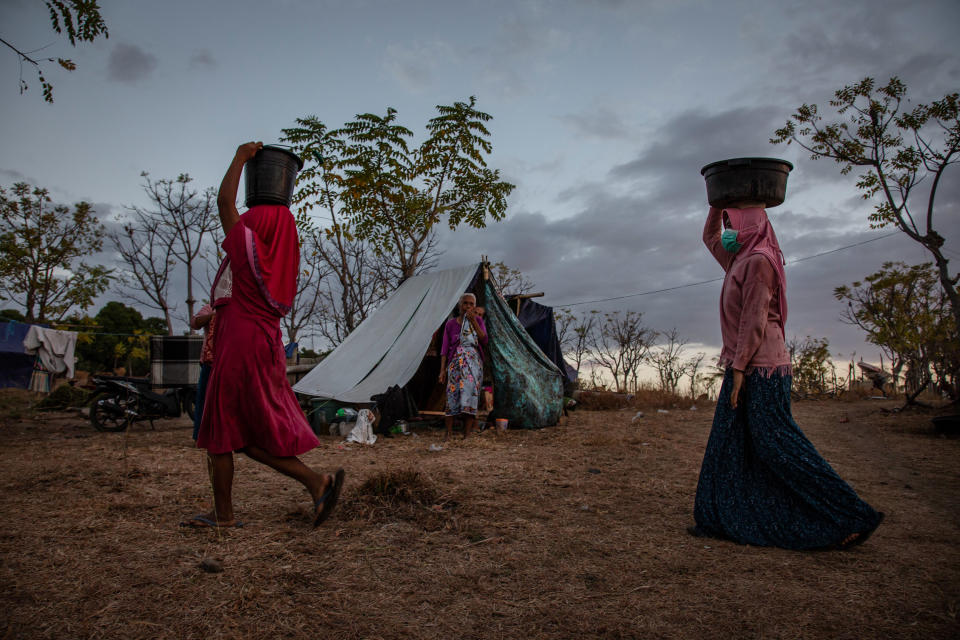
(755, 234)
(270, 239)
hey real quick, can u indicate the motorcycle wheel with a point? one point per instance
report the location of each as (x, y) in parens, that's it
(189, 402)
(103, 418)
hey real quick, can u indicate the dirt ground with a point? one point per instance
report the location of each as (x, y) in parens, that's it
(571, 531)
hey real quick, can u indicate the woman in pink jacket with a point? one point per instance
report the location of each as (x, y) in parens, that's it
(762, 482)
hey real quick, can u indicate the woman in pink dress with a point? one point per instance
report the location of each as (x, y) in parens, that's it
(250, 406)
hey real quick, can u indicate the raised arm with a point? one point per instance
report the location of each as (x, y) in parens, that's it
(227, 197)
(711, 237)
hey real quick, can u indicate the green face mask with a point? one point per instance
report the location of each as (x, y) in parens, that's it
(729, 240)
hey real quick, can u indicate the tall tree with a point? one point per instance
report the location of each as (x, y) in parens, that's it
(189, 216)
(393, 195)
(148, 256)
(41, 251)
(80, 19)
(898, 149)
(356, 278)
(176, 224)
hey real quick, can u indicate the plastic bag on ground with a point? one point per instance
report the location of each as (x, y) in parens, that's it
(363, 431)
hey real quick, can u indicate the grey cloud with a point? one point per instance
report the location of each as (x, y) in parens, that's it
(129, 63)
(827, 44)
(600, 122)
(415, 65)
(688, 141)
(524, 44)
(15, 176)
(202, 59)
(524, 35)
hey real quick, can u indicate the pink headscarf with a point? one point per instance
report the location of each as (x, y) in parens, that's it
(270, 239)
(755, 234)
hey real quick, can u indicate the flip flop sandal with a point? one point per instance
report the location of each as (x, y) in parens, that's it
(324, 506)
(200, 521)
(863, 536)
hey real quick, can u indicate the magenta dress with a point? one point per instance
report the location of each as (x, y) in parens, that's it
(249, 401)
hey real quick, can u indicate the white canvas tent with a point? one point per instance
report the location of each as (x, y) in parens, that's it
(387, 348)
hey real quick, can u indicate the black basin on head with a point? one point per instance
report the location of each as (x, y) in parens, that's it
(746, 180)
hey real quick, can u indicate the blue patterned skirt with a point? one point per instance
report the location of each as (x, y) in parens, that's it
(763, 483)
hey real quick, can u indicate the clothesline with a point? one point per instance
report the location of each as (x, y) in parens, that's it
(93, 332)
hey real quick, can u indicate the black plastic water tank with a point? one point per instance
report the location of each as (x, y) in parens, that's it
(746, 179)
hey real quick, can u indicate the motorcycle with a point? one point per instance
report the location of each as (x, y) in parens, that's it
(120, 401)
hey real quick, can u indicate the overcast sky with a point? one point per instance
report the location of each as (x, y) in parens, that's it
(604, 111)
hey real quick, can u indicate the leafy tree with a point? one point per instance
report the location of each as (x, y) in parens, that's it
(11, 314)
(898, 150)
(810, 361)
(121, 337)
(904, 312)
(357, 279)
(80, 19)
(41, 251)
(393, 195)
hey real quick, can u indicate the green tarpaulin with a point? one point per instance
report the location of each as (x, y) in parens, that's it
(527, 386)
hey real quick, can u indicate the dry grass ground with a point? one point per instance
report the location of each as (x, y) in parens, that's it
(573, 531)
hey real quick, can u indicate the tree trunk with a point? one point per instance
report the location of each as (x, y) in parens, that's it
(190, 299)
(948, 287)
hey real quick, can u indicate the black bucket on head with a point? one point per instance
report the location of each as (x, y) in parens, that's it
(270, 175)
(746, 180)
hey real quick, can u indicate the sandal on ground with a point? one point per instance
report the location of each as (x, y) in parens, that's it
(201, 521)
(324, 506)
(862, 536)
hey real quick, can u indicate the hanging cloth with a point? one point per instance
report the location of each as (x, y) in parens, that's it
(54, 348)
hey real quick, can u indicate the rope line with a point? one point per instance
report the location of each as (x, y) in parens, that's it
(696, 284)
